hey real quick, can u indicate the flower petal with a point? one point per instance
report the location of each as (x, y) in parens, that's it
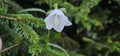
(56, 11)
(48, 21)
(67, 22)
(60, 26)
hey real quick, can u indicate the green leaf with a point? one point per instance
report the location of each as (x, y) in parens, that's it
(57, 36)
(63, 9)
(88, 40)
(33, 9)
(54, 52)
(35, 48)
(109, 41)
(98, 46)
(57, 46)
(87, 25)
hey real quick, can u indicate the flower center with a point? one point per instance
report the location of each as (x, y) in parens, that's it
(56, 22)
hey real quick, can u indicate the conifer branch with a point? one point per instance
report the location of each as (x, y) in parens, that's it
(23, 17)
(13, 4)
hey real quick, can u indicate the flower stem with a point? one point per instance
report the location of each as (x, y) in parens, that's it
(56, 5)
(48, 36)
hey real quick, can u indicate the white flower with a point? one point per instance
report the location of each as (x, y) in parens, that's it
(57, 20)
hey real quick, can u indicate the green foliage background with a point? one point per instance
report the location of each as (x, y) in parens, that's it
(95, 30)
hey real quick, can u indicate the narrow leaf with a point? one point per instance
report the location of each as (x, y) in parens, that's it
(57, 46)
(33, 9)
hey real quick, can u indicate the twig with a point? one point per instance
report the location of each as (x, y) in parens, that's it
(12, 46)
(10, 18)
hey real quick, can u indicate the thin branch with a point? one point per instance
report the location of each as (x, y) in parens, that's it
(6, 17)
(21, 19)
(12, 46)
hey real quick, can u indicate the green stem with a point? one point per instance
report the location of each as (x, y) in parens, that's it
(56, 5)
(48, 36)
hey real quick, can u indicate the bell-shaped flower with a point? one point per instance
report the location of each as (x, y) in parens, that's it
(57, 20)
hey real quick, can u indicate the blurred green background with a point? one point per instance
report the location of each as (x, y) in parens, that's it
(95, 29)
